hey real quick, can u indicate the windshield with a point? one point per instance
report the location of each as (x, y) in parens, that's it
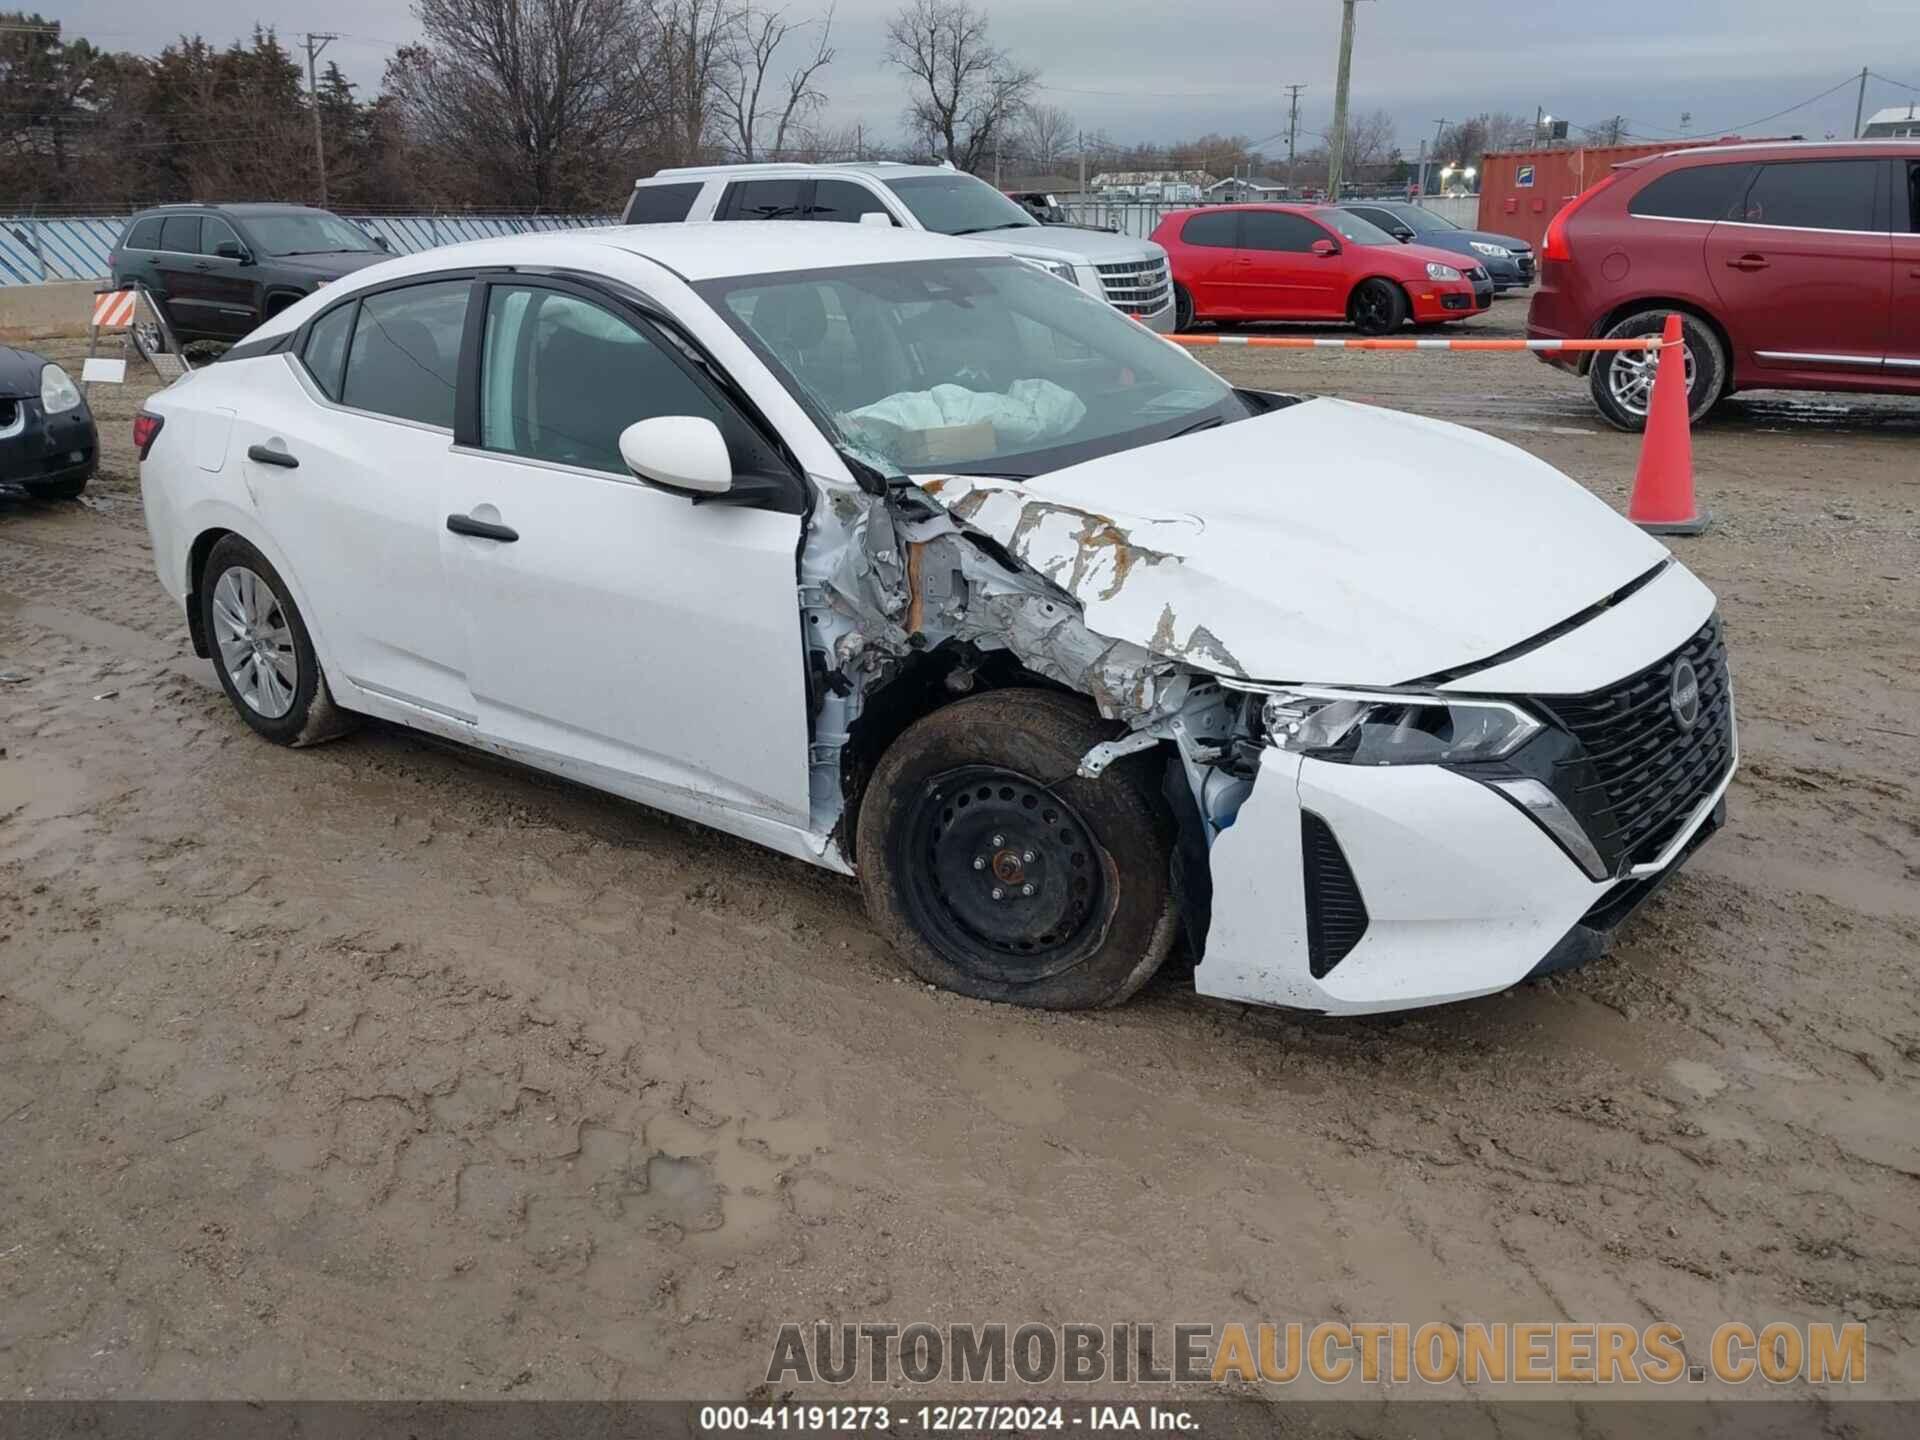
(1422, 219)
(988, 367)
(958, 204)
(1353, 228)
(309, 234)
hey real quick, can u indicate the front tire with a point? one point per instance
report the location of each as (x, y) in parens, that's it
(1622, 382)
(1182, 309)
(997, 871)
(261, 650)
(1378, 307)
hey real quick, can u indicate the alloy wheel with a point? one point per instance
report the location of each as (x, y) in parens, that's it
(1630, 378)
(256, 643)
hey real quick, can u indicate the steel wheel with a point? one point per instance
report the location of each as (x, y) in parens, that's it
(1630, 378)
(256, 643)
(1009, 872)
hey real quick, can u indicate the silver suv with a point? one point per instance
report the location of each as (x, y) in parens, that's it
(1129, 274)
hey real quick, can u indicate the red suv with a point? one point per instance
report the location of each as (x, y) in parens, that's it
(1793, 267)
(1311, 262)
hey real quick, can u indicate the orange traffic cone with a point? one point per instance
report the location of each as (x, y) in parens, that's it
(1662, 501)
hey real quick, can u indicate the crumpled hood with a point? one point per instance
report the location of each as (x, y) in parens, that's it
(1328, 542)
(20, 373)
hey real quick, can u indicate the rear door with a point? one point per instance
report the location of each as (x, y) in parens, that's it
(1805, 276)
(178, 271)
(364, 413)
(845, 201)
(1903, 341)
(1206, 258)
(1278, 275)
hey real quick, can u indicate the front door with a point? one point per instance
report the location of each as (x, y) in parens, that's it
(1206, 260)
(616, 626)
(1805, 277)
(225, 281)
(342, 449)
(1279, 275)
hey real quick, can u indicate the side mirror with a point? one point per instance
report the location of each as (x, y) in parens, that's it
(876, 217)
(1404, 236)
(679, 452)
(383, 243)
(1325, 249)
(231, 250)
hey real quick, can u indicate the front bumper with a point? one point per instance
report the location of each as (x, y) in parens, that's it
(1446, 300)
(37, 448)
(1464, 894)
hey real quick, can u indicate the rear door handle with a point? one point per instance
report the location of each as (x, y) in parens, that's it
(481, 530)
(264, 456)
(1748, 262)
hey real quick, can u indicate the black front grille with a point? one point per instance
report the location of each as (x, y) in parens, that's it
(1638, 775)
(1336, 915)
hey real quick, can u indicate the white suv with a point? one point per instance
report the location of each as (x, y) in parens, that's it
(1129, 274)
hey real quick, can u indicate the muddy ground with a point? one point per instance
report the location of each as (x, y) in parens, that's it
(383, 1070)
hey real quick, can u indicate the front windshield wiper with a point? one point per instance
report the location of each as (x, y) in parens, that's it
(1003, 225)
(1210, 423)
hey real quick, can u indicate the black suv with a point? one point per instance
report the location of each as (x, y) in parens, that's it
(219, 270)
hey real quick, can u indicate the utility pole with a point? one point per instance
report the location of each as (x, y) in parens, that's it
(1081, 137)
(1860, 105)
(316, 42)
(1439, 129)
(1293, 129)
(1337, 146)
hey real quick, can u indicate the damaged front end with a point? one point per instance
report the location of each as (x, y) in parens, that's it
(905, 605)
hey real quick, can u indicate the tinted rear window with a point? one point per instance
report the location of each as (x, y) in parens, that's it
(1214, 231)
(762, 200)
(661, 204)
(1699, 192)
(145, 234)
(1815, 195)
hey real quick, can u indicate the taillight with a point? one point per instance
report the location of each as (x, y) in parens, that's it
(1555, 246)
(145, 429)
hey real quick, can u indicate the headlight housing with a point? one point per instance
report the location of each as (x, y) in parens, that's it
(1367, 727)
(1498, 252)
(57, 390)
(1061, 268)
(1437, 271)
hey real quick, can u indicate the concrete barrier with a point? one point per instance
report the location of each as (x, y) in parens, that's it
(61, 307)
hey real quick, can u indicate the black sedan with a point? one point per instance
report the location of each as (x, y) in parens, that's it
(48, 444)
(1507, 258)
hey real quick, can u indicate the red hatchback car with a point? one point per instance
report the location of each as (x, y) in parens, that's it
(1308, 262)
(1793, 267)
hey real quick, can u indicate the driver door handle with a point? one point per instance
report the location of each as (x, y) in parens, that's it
(481, 530)
(1748, 262)
(261, 455)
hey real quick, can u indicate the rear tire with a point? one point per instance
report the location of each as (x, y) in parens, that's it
(1622, 384)
(997, 871)
(261, 650)
(1378, 307)
(1182, 309)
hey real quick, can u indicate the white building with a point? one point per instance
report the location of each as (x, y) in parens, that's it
(1900, 122)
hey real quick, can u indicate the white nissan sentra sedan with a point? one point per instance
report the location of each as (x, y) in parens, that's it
(912, 561)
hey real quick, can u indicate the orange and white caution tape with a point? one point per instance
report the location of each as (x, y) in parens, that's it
(1317, 342)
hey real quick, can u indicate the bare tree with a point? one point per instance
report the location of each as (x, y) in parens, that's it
(1370, 137)
(1046, 136)
(538, 96)
(695, 43)
(749, 99)
(963, 93)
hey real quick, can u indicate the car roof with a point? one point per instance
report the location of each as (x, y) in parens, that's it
(773, 169)
(1786, 150)
(248, 207)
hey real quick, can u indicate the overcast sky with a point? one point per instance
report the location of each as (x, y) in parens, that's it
(1168, 69)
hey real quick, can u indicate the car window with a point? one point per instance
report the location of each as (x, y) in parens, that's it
(145, 235)
(1352, 227)
(1384, 219)
(561, 377)
(181, 234)
(1278, 230)
(955, 204)
(1814, 195)
(215, 232)
(308, 232)
(1218, 231)
(1913, 196)
(661, 204)
(843, 200)
(1698, 192)
(326, 348)
(406, 352)
(762, 200)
